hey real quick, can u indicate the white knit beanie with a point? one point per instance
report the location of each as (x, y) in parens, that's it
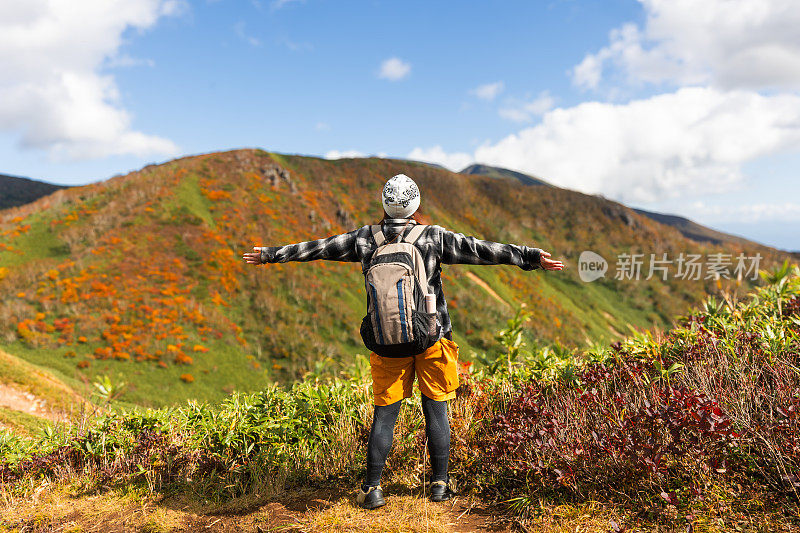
(400, 197)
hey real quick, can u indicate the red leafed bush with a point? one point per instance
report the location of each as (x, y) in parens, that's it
(792, 307)
(622, 426)
(717, 405)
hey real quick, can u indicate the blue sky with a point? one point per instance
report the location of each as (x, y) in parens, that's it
(690, 110)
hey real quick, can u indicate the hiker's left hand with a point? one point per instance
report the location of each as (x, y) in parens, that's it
(253, 258)
(549, 264)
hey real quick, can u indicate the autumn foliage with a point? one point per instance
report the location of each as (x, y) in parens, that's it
(146, 268)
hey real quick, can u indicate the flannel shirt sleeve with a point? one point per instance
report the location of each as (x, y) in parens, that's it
(340, 247)
(456, 248)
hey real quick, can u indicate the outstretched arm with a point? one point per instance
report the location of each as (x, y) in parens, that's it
(336, 248)
(458, 248)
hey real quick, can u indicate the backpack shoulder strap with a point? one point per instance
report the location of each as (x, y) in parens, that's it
(377, 234)
(415, 233)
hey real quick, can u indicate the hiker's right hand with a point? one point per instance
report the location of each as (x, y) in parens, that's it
(549, 264)
(253, 258)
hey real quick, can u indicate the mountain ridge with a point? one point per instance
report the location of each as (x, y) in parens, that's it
(28, 190)
(16, 190)
(140, 277)
(689, 228)
(500, 172)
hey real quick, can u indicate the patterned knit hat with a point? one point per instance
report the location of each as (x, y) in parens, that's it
(400, 197)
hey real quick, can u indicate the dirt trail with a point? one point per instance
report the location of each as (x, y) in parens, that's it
(318, 510)
(18, 399)
(485, 286)
(610, 318)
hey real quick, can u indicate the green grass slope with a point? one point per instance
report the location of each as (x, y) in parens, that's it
(140, 278)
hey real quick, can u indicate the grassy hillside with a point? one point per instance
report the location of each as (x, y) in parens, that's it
(691, 429)
(140, 278)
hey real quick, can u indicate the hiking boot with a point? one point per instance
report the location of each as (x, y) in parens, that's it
(371, 499)
(441, 491)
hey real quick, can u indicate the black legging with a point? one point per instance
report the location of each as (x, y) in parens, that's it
(437, 429)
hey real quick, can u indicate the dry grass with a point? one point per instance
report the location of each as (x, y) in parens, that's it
(402, 514)
(65, 508)
(56, 508)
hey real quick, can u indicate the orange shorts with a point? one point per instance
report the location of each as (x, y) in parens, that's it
(436, 369)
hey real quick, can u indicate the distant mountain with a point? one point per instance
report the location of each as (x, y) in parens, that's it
(689, 229)
(693, 230)
(434, 165)
(497, 172)
(16, 191)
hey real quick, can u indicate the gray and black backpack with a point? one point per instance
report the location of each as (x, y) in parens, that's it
(397, 324)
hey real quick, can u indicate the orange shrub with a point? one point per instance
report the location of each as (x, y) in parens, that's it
(103, 352)
(24, 330)
(216, 195)
(183, 359)
(217, 299)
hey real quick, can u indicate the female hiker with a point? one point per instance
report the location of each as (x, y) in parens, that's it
(424, 344)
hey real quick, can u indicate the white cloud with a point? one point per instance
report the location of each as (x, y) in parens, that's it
(296, 46)
(692, 141)
(588, 72)
(453, 161)
(345, 154)
(488, 91)
(53, 93)
(751, 213)
(527, 111)
(278, 4)
(322, 126)
(336, 154)
(394, 69)
(242, 34)
(728, 43)
(126, 61)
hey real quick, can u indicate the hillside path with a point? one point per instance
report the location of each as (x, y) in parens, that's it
(17, 399)
(485, 286)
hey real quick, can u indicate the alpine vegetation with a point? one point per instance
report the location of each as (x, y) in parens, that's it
(695, 425)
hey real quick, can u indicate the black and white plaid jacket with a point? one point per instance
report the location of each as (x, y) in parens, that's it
(436, 244)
